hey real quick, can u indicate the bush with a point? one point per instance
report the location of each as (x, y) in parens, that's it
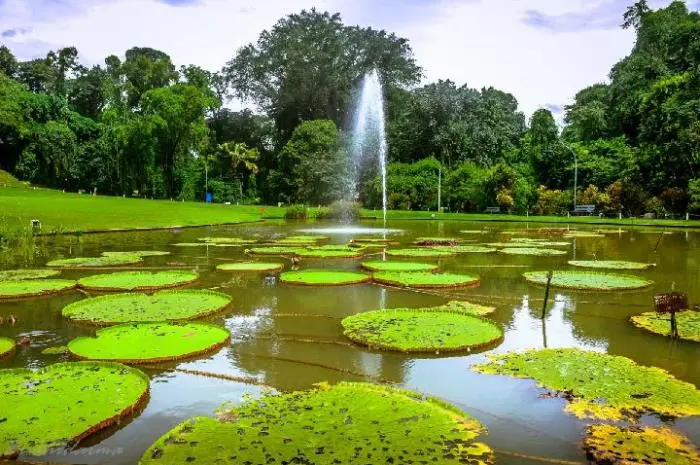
(505, 200)
(296, 212)
(626, 196)
(674, 199)
(593, 196)
(344, 210)
(323, 213)
(552, 202)
(656, 206)
(694, 193)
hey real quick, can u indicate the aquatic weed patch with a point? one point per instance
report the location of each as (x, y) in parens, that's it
(112, 309)
(16, 275)
(422, 252)
(600, 385)
(398, 266)
(61, 404)
(149, 342)
(34, 288)
(253, 267)
(96, 262)
(349, 423)
(617, 445)
(611, 264)
(138, 280)
(533, 251)
(323, 278)
(588, 280)
(7, 346)
(425, 280)
(660, 323)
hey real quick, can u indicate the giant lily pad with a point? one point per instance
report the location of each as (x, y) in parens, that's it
(61, 404)
(350, 423)
(660, 323)
(398, 266)
(582, 234)
(600, 385)
(616, 445)
(423, 252)
(465, 249)
(284, 251)
(611, 264)
(138, 280)
(7, 346)
(96, 262)
(416, 330)
(536, 251)
(254, 267)
(437, 241)
(137, 307)
(33, 287)
(227, 240)
(425, 280)
(140, 253)
(16, 275)
(586, 280)
(149, 342)
(524, 244)
(330, 253)
(323, 278)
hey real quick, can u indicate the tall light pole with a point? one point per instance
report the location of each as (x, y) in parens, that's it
(575, 170)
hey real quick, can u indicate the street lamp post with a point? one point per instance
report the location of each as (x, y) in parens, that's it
(575, 170)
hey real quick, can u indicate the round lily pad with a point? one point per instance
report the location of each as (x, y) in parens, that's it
(371, 240)
(458, 249)
(56, 350)
(600, 385)
(227, 240)
(7, 346)
(204, 244)
(688, 323)
(255, 267)
(96, 262)
(330, 253)
(612, 264)
(33, 287)
(149, 342)
(460, 306)
(398, 266)
(582, 234)
(350, 423)
(424, 253)
(139, 253)
(618, 445)
(323, 278)
(61, 404)
(425, 280)
(137, 307)
(284, 251)
(588, 280)
(437, 241)
(536, 251)
(416, 330)
(138, 280)
(15, 275)
(527, 244)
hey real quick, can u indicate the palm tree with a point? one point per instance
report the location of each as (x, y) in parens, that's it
(240, 155)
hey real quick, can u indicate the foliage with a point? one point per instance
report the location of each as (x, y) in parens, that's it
(552, 202)
(14, 275)
(688, 323)
(7, 346)
(251, 266)
(612, 264)
(420, 252)
(33, 287)
(344, 210)
(398, 266)
(600, 385)
(323, 277)
(423, 279)
(586, 280)
(138, 280)
(96, 262)
(694, 193)
(296, 212)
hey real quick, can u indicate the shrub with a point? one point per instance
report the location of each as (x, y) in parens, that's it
(674, 199)
(552, 202)
(505, 200)
(655, 205)
(344, 210)
(323, 213)
(296, 212)
(694, 193)
(592, 196)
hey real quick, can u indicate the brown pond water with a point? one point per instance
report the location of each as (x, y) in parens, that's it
(290, 337)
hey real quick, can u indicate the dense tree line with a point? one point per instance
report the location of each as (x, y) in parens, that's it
(139, 124)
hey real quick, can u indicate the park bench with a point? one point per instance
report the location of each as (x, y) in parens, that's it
(584, 210)
(493, 209)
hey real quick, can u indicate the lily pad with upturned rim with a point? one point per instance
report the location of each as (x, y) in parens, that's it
(460, 249)
(425, 280)
(533, 251)
(283, 251)
(139, 253)
(7, 346)
(688, 323)
(331, 253)
(96, 262)
(398, 266)
(582, 234)
(227, 240)
(323, 278)
(528, 244)
(350, 423)
(22, 274)
(611, 264)
(26, 288)
(588, 280)
(61, 404)
(422, 252)
(430, 241)
(253, 267)
(135, 343)
(138, 280)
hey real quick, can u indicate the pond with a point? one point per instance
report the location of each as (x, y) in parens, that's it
(289, 337)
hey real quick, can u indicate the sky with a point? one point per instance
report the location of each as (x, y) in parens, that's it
(541, 51)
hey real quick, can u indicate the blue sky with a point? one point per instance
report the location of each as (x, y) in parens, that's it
(542, 51)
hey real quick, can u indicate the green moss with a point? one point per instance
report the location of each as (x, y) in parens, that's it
(96, 262)
(600, 385)
(610, 444)
(458, 249)
(437, 241)
(57, 350)
(660, 323)
(139, 253)
(138, 280)
(149, 342)
(323, 277)
(588, 280)
(15, 275)
(425, 280)
(251, 266)
(417, 330)
(612, 264)
(227, 240)
(350, 423)
(276, 250)
(532, 251)
(6, 346)
(137, 307)
(424, 253)
(59, 405)
(33, 287)
(398, 266)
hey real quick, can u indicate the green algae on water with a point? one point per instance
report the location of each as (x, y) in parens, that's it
(398, 266)
(422, 252)
(149, 342)
(600, 385)
(323, 277)
(253, 267)
(587, 280)
(138, 280)
(349, 423)
(33, 288)
(534, 251)
(61, 404)
(171, 305)
(425, 280)
(96, 262)
(7, 346)
(459, 249)
(16, 275)
(660, 323)
(611, 264)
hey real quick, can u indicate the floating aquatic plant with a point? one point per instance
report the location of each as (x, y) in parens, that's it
(15, 275)
(423, 252)
(284, 251)
(350, 423)
(617, 445)
(227, 240)
(255, 267)
(398, 266)
(331, 253)
(204, 244)
(137, 307)
(139, 253)
(458, 249)
(437, 241)
(522, 243)
(612, 264)
(323, 277)
(461, 306)
(535, 251)
(425, 280)
(474, 231)
(417, 330)
(149, 342)
(582, 234)
(600, 385)
(96, 262)
(688, 323)
(7, 346)
(372, 240)
(57, 350)
(588, 280)
(138, 280)
(33, 287)
(61, 404)
(611, 231)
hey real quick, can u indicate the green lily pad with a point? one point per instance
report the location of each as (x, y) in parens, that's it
(617, 445)
(398, 266)
(306, 238)
(532, 251)
(57, 350)
(425, 280)
(284, 251)
(138, 280)
(611, 231)
(612, 264)
(461, 306)
(149, 342)
(17, 275)
(437, 241)
(458, 249)
(350, 423)
(255, 267)
(527, 244)
(424, 253)
(137, 307)
(474, 231)
(34, 287)
(688, 323)
(96, 262)
(588, 280)
(582, 234)
(600, 385)
(371, 240)
(61, 404)
(7, 346)
(204, 244)
(417, 330)
(330, 253)
(323, 278)
(139, 253)
(227, 240)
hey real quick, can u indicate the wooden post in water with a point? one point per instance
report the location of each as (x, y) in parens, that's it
(546, 294)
